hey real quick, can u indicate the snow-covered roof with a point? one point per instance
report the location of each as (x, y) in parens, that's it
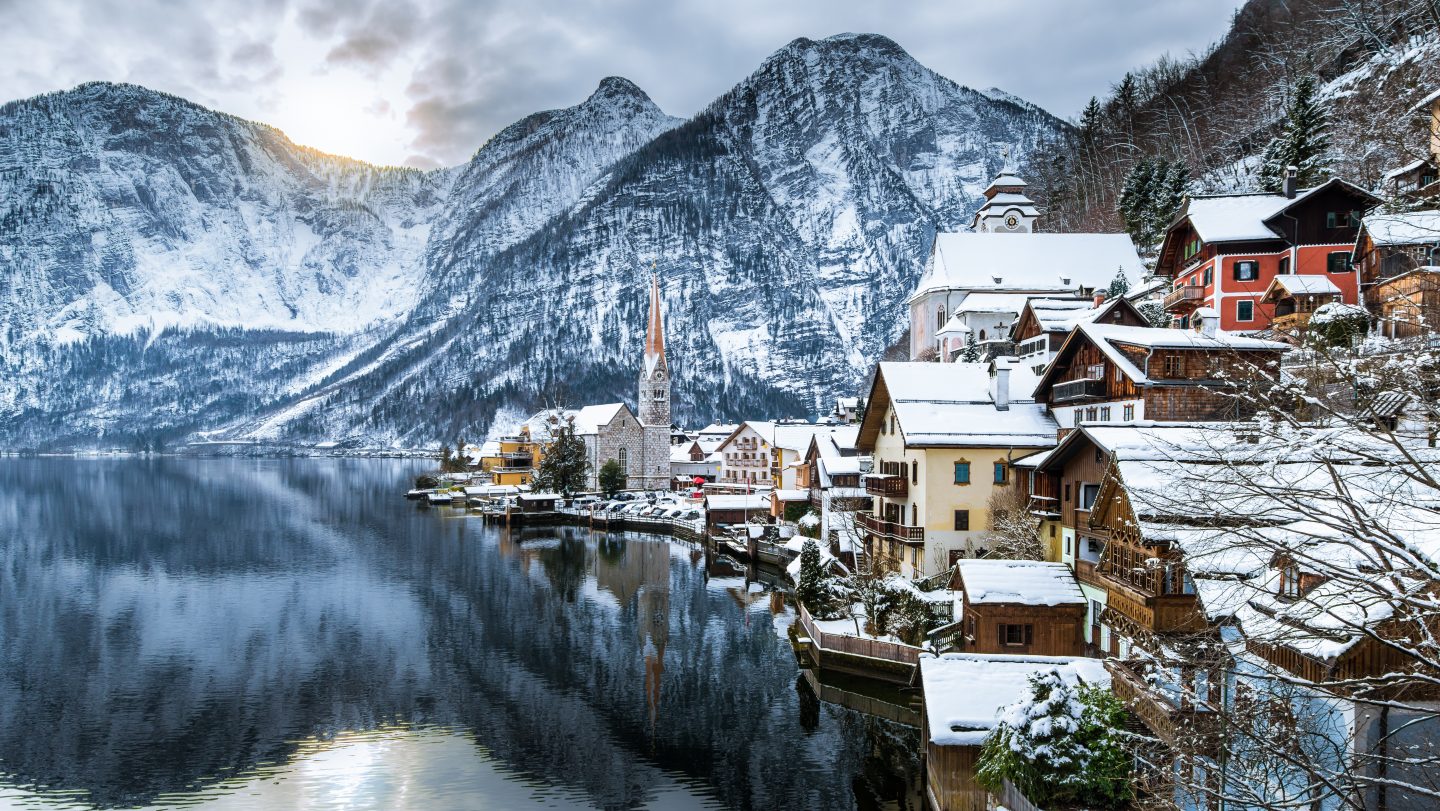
(791, 495)
(590, 419)
(1406, 169)
(965, 692)
(1411, 228)
(1041, 263)
(1027, 582)
(1297, 285)
(1011, 303)
(1106, 336)
(1236, 217)
(950, 405)
(753, 501)
(1006, 179)
(539, 496)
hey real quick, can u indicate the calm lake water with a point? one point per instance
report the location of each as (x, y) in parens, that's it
(286, 634)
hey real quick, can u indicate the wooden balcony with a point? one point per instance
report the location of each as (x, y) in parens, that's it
(1073, 390)
(1085, 573)
(1185, 297)
(890, 529)
(1290, 324)
(1186, 728)
(1157, 613)
(878, 484)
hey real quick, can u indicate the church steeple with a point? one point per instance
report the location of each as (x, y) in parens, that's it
(654, 407)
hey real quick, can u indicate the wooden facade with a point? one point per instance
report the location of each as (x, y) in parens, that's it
(1048, 630)
(1408, 304)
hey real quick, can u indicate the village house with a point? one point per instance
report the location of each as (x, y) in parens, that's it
(1420, 179)
(1003, 258)
(510, 459)
(1045, 323)
(962, 696)
(1293, 299)
(692, 465)
(1024, 607)
(830, 473)
(1118, 373)
(943, 438)
(1223, 251)
(762, 454)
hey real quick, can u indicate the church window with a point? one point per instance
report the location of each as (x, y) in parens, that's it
(623, 456)
(939, 319)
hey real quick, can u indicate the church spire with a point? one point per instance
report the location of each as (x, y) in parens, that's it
(655, 334)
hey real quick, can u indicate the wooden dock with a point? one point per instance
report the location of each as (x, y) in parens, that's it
(871, 658)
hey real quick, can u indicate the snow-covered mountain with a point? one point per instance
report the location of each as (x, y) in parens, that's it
(166, 270)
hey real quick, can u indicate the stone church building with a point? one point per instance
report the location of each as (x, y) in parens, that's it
(640, 443)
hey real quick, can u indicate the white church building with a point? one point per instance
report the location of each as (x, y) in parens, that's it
(976, 282)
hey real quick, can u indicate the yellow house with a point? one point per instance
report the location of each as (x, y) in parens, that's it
(511, 459)
(944, 437)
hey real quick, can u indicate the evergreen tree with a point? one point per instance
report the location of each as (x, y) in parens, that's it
(1172, 194)
(1155, 313)
(1304, 143)
(1061, 746)
(971, 352)
(564, 467)
(1118, 285)
(612, 478)
(1091, 121)
(810, 585)
(1135, 198)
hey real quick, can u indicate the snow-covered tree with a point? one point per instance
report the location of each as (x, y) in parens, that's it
(1304, 143)
(1119, 285)
(810, 584)
(611, 477)
(1013, 530)
(1061, 745)
(1155, 313)
(971, 352)
(564, 467)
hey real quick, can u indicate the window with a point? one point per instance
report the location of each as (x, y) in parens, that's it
(914, 515)
(1207, 277)
(623, 455)
(1095, 609)
(1247, 270)
(1067, 546)
(1015, 635)
(914, 556)
(1338, 262)
(1088, 492)
(1067, 491)
(1284, 265)
(1174, 366)
(962, 472)
(1091, 414)
(1342, 219)
(1290, 581)
(1244, 311)
(1000, 473)
(1104, 413)
(962, 520)
(1332, 219)
(1128, 412)
(915, 473)
(939, 319)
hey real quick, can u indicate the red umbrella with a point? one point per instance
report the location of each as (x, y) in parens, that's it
(698, 480)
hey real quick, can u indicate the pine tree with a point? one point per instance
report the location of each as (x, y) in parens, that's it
(1304, 143)
(1135, 200)
(971, 352)
(611, 478)
(564, 467)
(809, 586)
(1118, 285)
(1061, 746)
(1091, 121)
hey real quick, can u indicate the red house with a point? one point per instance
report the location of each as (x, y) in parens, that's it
(1223, 251)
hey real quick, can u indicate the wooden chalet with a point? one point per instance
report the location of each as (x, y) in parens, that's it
(1223, 251)
(1293, 299)
(1044, 323)
(1020, 607)
(1409, 304)
(1391, 245)
(1116, 373)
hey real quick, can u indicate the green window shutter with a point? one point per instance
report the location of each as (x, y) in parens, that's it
(962, 472)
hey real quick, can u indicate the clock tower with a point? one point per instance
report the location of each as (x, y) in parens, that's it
(1007, 210)
(654, 406)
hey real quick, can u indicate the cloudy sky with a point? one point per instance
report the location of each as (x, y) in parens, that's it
(425, 82)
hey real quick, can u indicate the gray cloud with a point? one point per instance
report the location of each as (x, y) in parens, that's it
(472, 67)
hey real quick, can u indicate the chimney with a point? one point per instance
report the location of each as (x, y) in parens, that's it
(1207, 321)
(1099, 298)
(1290, 177)
(1001, 382)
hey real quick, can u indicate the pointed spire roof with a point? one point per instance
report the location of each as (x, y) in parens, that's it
(655, 334)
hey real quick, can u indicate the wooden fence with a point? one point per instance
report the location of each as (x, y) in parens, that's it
(857, 646)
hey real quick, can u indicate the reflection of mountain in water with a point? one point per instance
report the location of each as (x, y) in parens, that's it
(172, 622)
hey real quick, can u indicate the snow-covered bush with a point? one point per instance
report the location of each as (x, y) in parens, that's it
(809, 524)
(1337, 324)
(1061, 745)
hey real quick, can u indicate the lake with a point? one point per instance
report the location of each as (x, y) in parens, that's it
(293, 634)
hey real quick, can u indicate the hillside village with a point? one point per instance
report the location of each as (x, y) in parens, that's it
(1203, 490)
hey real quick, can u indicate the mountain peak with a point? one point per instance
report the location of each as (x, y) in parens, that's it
(619, 87)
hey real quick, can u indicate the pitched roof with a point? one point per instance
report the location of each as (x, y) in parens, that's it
(950, 405)
(1410, 228)
(1244, 217)
(1297, 285)
(1042, 263)
(590, 419)
(1026, 582)
(1106, 336)
(965, 692)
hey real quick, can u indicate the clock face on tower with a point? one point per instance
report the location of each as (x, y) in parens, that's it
(1011, 220)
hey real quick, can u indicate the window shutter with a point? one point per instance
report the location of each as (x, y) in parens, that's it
(1029, 634)
(1001, 629)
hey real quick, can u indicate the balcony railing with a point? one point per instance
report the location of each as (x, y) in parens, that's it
(1184, 296)
(878, 484)
(1083, 389)
(1189, 728)
(890, 529)
(1290, 323)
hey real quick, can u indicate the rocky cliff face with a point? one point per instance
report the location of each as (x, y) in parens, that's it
(170, 272)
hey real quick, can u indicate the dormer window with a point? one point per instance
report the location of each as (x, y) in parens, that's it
(1290, 582)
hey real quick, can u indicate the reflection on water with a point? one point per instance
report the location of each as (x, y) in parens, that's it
(292, 634)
